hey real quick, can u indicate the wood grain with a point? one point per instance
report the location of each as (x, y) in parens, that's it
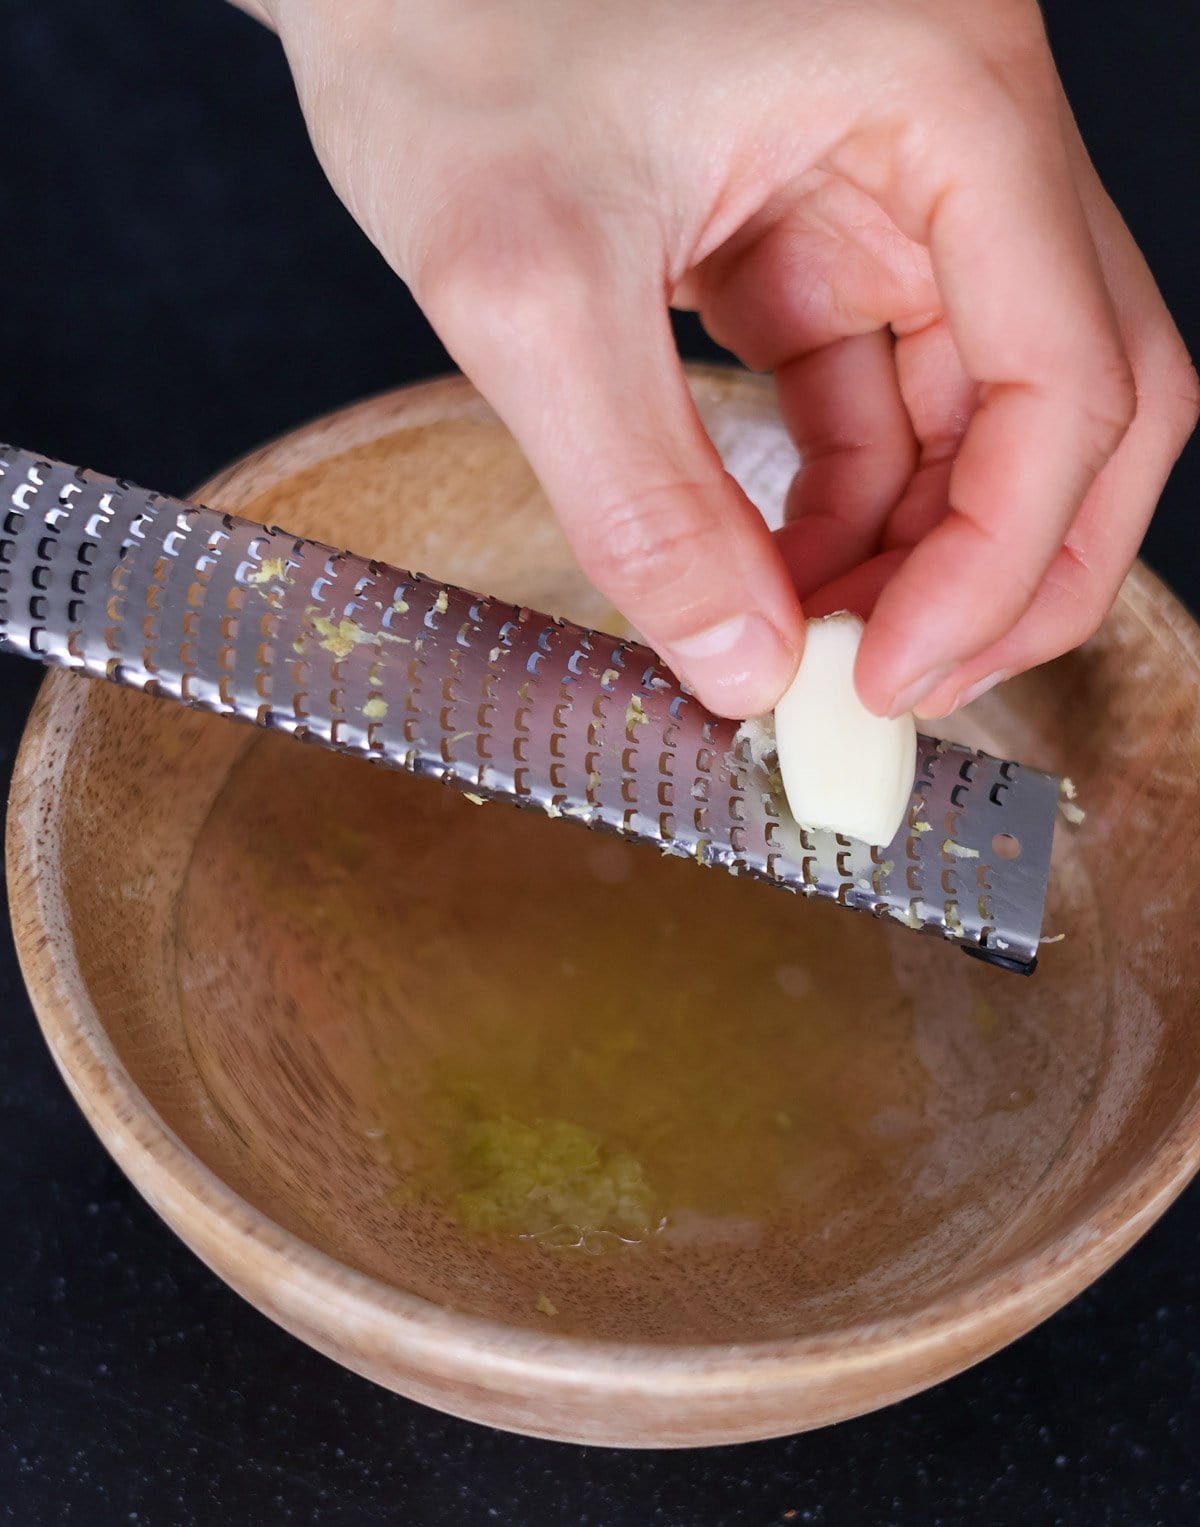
(242, 1130)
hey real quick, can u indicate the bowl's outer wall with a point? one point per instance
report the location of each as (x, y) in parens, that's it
(1140, 791)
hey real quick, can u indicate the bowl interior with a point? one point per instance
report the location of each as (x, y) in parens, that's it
(551, 1079)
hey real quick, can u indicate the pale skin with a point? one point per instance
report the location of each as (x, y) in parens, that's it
(884, 203)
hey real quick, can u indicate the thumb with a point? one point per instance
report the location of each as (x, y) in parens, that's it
(591, 386)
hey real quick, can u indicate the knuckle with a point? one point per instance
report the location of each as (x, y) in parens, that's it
(1083, 623)
(1017, 29)
(1004, 43)
(497, 72)
(1002, 48)
(1177, 396)
(495, 258)
(1086, 616)
(653, 546)
(1076, 601)
(1110, 403)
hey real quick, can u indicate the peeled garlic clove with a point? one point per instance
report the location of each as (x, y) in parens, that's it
(844, 769)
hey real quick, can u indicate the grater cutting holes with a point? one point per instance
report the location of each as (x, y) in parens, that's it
(248, 622)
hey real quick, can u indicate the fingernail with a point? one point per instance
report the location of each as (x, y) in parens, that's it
(982, 687)
(927, 710)
(936, 710)
(909, 698)
(739, 667)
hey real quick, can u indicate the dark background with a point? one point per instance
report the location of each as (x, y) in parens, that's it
(177, 283)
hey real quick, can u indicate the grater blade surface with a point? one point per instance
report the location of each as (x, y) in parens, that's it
(215, 612)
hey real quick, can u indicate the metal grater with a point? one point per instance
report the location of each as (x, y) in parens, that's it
(503, 703)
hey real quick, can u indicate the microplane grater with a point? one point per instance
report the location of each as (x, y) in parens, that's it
(252, 623)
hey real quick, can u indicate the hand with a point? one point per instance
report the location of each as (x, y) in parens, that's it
(885, 204)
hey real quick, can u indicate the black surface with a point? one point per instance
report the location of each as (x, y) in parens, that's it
(176, 284)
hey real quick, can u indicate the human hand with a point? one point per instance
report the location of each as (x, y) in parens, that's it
(886, 204)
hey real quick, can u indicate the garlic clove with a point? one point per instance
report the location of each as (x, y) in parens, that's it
(844, 769)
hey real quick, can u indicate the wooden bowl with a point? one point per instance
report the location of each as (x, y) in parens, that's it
(277, 984)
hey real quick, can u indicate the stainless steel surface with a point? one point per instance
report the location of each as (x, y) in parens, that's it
(501, 702)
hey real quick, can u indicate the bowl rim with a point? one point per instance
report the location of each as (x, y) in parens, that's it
(178, 1185)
